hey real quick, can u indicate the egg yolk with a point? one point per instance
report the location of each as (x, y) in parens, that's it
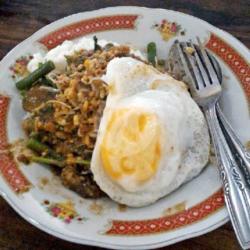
(131, 145)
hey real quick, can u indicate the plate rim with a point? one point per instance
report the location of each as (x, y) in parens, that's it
(110, 245)
(220, 222)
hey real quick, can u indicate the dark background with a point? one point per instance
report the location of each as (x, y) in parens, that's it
(21, 18)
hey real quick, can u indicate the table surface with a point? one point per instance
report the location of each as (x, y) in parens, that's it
(20, 18)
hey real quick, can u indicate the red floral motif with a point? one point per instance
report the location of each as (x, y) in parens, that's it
(8, 167)
(168, 29)
(88, 26)
(168, 223)
(236, 62)
(65, 211)
(19, 68)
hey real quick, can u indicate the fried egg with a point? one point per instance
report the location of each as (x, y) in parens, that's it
(152, 136)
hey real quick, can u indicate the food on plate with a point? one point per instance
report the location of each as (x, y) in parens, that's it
(112, 122)
(64, 96)
(152, 136)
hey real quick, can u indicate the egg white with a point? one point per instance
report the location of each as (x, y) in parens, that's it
(137, 85)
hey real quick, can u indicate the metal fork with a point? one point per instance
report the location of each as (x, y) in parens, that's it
(239, 150)
(206, 90)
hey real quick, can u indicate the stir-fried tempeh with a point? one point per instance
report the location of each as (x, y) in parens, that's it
(64, 114)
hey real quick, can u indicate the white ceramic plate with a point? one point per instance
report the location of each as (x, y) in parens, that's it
(194, 209)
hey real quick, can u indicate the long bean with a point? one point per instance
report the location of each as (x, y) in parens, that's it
(55, 159)
(47, 161)
(82, 162)
(28, 81)
(151, 49)
(40, 148)
(51, 161)
(47, 82)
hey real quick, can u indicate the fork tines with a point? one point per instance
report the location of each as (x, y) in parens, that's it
(197, 64)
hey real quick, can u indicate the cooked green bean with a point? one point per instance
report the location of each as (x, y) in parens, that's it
(40, 148)
(36, 145)
(47, 82)
(97, 46)
(51, 161)
(82, 162)
(47, 161)
(28, 81)
(55, 159)
(23, 92)
(151, 49)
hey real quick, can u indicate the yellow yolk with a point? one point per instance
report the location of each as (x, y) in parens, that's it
(131, 145)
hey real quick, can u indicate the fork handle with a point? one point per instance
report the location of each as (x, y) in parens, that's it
(236, 190)
(240, 152)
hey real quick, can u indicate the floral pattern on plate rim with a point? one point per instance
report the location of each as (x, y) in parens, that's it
(19, 68)
(8, 166)
(88, 26)
(168, 223)
(233, 59)
(168, 29)
(64, 211)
